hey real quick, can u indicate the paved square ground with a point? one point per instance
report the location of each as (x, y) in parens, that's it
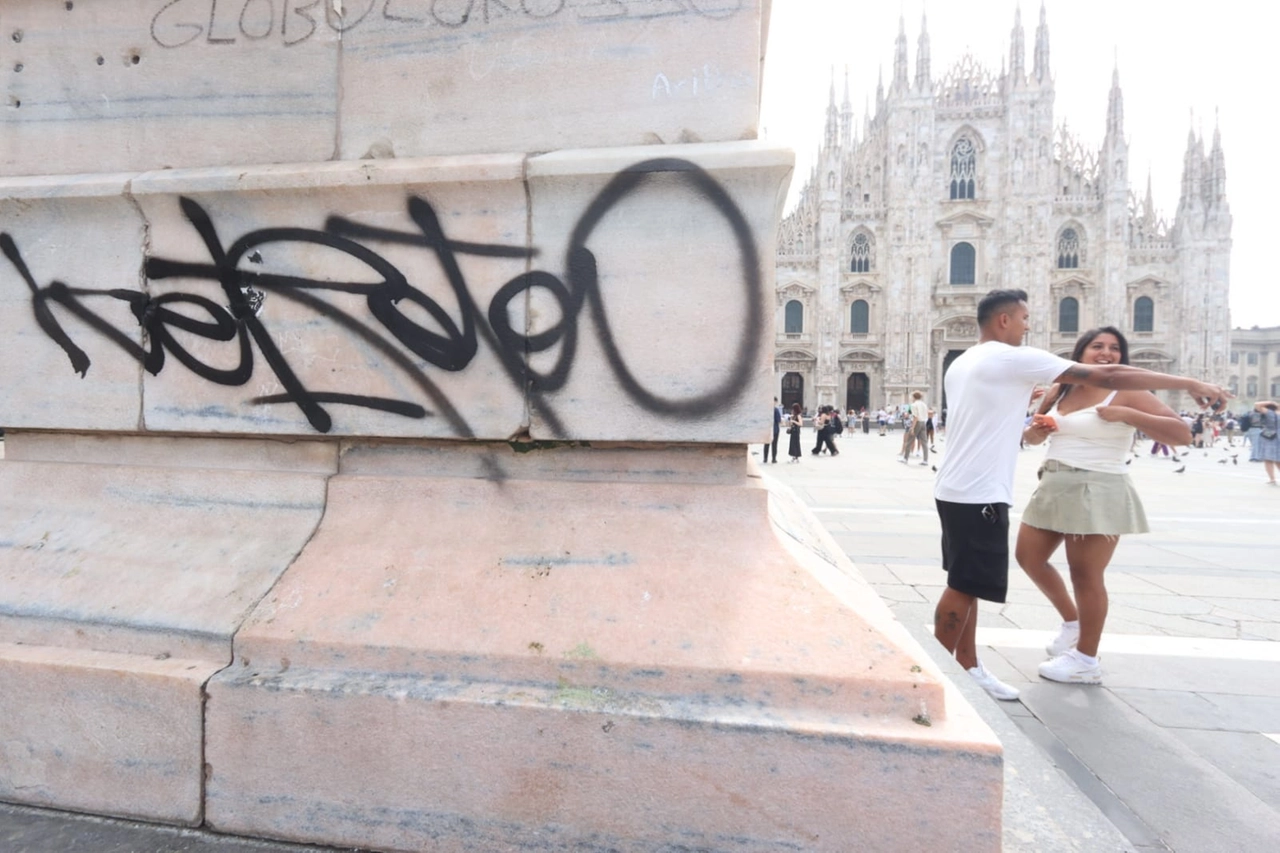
(1180, 747)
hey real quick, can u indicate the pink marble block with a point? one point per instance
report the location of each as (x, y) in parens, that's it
(408, 764)
(126, 564)
(492, 663)
(103, 732)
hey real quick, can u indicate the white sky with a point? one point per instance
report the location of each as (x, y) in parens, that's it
(1174, 56)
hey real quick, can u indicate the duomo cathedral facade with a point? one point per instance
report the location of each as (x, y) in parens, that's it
(956, 185)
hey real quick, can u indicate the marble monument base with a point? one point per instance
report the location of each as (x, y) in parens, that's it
(584, 648)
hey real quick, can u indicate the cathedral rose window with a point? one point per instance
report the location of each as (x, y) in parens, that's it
(861, 254)
(964, 168)
(1068, 249)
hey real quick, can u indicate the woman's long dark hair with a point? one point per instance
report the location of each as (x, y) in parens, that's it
(1078, 353)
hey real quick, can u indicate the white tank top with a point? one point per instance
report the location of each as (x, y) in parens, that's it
(1084, 440)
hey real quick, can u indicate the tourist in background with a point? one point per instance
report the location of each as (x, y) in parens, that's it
(918, 431)
(777, 428)
(1268, 438)
(1085, 498)
(793, 432)
(825, 423)
(1253, 431)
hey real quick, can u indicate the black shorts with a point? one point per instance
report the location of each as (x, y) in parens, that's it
(975, 548)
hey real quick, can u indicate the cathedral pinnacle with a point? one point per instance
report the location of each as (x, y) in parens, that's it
(1017, 50)
(832, 137)
(1115, 108)
(846, 114)
(1041, 68)
(922, 57)
(900, 58)
(1218, 165)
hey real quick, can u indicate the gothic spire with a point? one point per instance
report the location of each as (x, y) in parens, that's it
(833, 128)
(1115, 107)
(1017, 50)
(1218, 163)
(880, 91)
(846, 114)
(1041, 67)
(922, 56)
(900, 58)
(1192, 169)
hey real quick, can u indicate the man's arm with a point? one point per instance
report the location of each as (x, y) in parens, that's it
(1124, 377)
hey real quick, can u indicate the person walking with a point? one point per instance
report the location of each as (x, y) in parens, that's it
(777, 428)
(1086, 500)
(825, 423)
(918, 432)
(1268, 440)
(987, 389)
(793, 432)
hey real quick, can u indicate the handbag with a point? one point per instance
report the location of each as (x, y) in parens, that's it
(1269, 432)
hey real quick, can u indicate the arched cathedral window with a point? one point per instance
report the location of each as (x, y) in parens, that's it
(860, 317)
(963, 264)
(861, 254)
(1069, 315)
(794, 317)
(1068, 249)
(964, 169)
(1144, 314)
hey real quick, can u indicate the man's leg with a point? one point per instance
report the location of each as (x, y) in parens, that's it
(921, 433)
(955, 622)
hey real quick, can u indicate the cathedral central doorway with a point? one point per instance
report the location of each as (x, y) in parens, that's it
(951, 356)
(857, 392)
(792, 390)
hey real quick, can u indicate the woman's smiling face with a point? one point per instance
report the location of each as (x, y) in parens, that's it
(1104, 349)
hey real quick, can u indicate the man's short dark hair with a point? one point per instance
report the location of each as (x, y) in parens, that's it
(995, 300)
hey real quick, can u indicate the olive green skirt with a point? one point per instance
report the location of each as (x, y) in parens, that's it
(1074, 501)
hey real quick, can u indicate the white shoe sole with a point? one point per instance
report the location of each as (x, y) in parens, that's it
(1074, 679)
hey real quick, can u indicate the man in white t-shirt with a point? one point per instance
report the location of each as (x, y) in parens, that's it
(988, 389)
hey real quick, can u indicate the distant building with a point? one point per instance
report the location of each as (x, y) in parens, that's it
(960, 184)
(1255, 366)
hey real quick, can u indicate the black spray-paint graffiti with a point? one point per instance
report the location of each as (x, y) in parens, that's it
(223, 22)
(451, 349)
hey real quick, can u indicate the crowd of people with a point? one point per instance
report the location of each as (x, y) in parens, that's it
(1095, 409)
(916, 420)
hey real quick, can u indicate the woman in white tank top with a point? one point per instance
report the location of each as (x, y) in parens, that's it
(1085, 498)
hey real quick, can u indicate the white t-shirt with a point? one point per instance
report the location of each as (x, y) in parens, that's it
(920, 411)
(988, 390)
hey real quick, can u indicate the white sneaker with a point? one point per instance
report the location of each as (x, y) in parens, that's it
(1068, 636)
(993, 685)
(1068, 668)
